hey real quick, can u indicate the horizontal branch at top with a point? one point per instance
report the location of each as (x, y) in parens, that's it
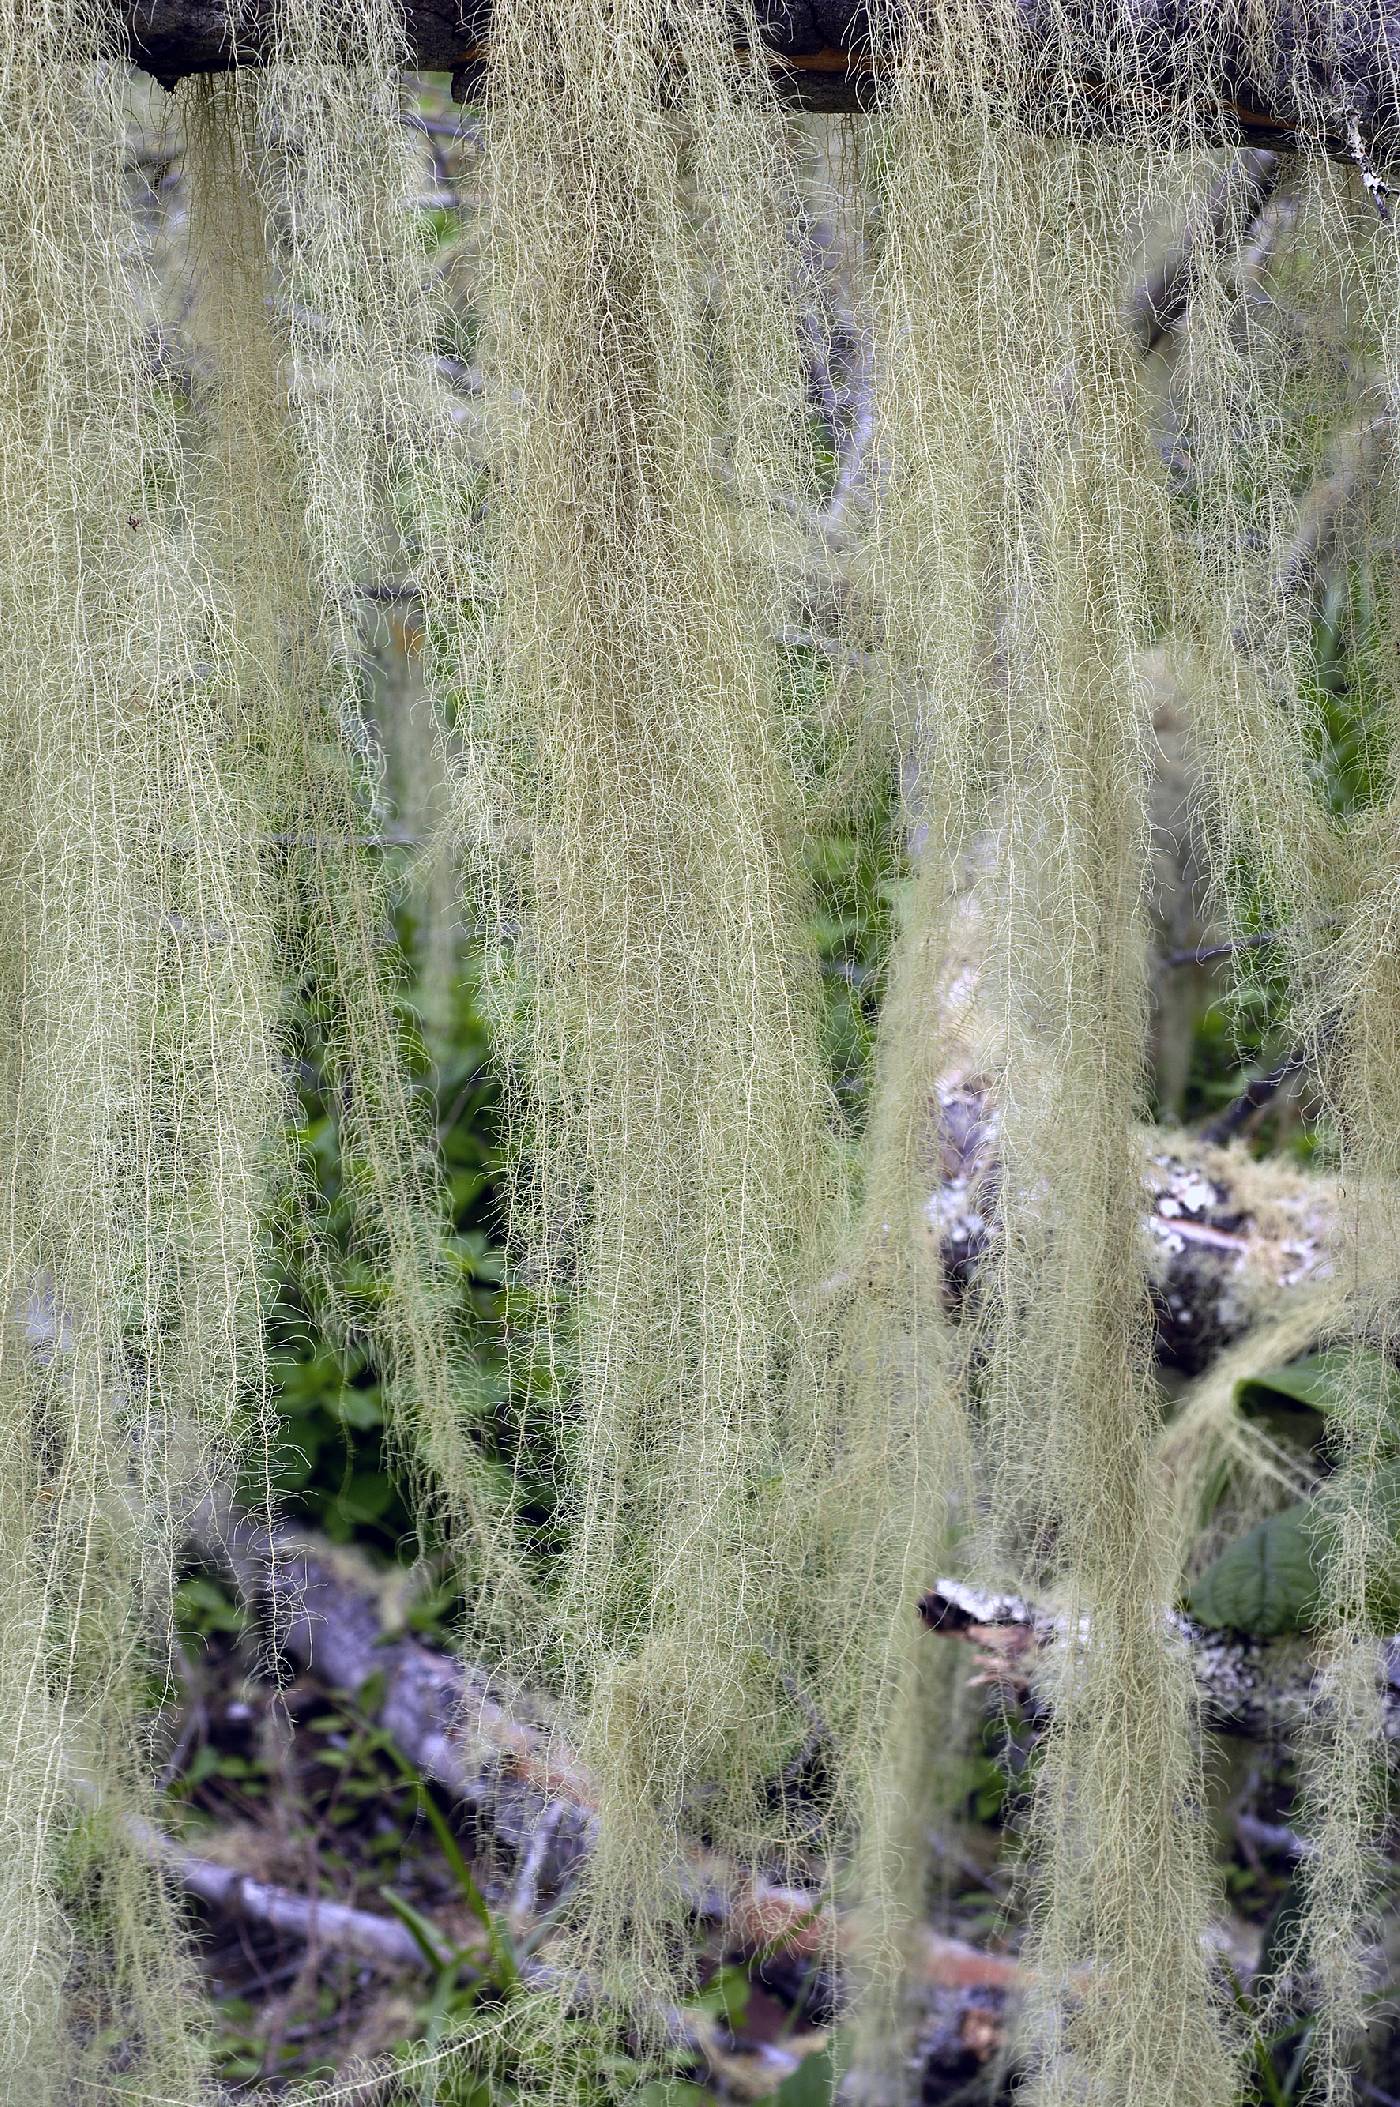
(1346, 60)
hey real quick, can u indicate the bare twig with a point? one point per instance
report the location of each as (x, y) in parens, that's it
(333, 1924)
(1274, 1837)
(1203, 955)
(312, 1918)
(1377, 191)
(1258, 1093)
(1219, 1233)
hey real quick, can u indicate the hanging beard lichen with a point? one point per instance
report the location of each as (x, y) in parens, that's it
(140, 1096)
(1325, 878)
(730, 1332)
(349, 281)
(671, 1169)
(1038, 525)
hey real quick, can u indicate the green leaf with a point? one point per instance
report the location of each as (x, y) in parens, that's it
(370, 1695)
(357, 1408)
(366, 1497)
(1269, 1581)
(425, 1935)
(726, 1995)
(1266, 1582)
(497, 1932)
(1320, 1380)
(812, 2084)
(203, 1607)
(206, 1764)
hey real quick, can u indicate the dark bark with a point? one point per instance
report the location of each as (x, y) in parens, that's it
(821, 57)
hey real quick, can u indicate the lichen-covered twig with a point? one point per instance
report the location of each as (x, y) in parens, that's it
(1260, 1689)
(1222, 1233)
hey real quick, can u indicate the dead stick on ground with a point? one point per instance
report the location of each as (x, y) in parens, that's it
(443, 1718)
(230, 1893)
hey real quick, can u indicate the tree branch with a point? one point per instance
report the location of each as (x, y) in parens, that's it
(1221, 1233)
(1236, 199)
(1261, 1689)
(819, 51)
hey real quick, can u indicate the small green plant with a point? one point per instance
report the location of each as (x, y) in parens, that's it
(335, 1466)
(1269, 1582)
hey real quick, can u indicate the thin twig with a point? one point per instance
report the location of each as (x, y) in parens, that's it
(1206, 952)
(308, 1917)
(1253, 1098)
(1376, 190)
(1275, 1837)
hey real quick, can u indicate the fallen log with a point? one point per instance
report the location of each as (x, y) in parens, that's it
(1348, 61)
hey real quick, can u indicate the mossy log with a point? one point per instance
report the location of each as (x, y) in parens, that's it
(820, 53)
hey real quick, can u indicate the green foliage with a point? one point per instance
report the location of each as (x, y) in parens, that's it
(336, 1464)
(205, 1610)
(1250, 1026)
(854, 891)
(1349, 708)
(1244, 1032)
(1272, 1580)
(814, 2082)
(1319, 1382)
(1266, 1582)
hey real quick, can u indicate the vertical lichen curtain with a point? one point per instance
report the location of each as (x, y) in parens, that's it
(223, 419)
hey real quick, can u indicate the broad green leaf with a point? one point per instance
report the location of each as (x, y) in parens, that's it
(812, 2084)
(1269, 1580)
(1319, 1381)
(357, 1408)
(367, 1496)
(726, 1995)
(1266, 1582)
